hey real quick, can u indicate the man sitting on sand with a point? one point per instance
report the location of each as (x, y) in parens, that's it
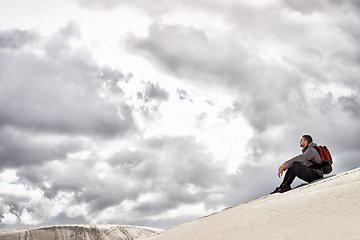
(302, 166)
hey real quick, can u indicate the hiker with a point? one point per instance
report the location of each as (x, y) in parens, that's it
(303, 166)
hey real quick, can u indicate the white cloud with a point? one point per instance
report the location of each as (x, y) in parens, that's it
(9, 218)
(27, 219)
(8, 176)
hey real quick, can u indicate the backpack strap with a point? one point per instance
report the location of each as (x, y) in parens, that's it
(316, 165)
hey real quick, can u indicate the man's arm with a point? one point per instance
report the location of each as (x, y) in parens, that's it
(307, 155)
(281, 169)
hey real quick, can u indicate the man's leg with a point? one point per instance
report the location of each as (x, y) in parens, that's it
(301, 171)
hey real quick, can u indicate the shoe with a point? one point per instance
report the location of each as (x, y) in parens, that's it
(275, 191)
(281, 189)
(284, 188)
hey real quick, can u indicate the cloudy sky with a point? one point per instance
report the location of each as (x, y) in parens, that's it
(131, 112)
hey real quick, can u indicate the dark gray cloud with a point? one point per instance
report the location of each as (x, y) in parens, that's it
(15, 38)
(150, 97)
(179, 50)
(153, 91)
(351, 104)
(309, 7)
(20, 147)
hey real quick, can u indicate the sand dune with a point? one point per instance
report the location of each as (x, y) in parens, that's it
(78, 232)
(326, 209)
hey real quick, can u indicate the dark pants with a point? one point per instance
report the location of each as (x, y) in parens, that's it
(301, 171)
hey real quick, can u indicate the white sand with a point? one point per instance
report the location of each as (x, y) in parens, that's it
(78, 232)
(326, 209)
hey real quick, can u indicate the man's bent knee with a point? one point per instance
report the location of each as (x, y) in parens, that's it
(297, 164)
(296, 168)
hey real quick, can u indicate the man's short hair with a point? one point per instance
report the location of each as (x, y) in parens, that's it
(308, 138)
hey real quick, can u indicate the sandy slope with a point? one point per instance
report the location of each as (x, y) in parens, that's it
(326, 209)
(78, 232)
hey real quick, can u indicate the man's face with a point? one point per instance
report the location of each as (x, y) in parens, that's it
(303, 142)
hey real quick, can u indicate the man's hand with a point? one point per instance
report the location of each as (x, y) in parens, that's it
(281, 170)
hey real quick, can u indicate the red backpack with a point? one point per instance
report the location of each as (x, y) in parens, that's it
(326, 159)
